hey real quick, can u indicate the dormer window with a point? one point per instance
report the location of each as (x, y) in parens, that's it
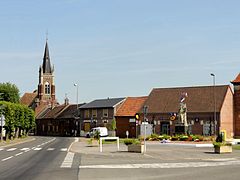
(47, 88)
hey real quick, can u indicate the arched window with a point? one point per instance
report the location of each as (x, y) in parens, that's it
(47, 88)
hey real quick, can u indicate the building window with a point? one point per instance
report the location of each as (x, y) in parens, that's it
(105, 112)
(86, 113)
(47, 88)
(94, 113)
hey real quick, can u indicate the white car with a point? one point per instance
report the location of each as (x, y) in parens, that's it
(103, 132)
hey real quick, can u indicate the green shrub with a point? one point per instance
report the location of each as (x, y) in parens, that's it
(131, 141)
(183, 138)
(219, 144)
(175, 138)
(153, 137)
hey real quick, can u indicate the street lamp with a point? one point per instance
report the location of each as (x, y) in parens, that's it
(76, 85)
(145, 111)
(214, 94)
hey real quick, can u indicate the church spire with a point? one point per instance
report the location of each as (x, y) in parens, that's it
(46, 60)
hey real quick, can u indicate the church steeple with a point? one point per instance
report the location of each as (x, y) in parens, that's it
(46, 60)
(46, 86)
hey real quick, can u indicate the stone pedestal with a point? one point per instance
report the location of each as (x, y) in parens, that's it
(180, 128)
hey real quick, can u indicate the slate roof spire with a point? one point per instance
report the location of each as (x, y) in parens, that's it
(46, 60)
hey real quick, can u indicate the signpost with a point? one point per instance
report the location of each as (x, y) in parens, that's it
(2, 122)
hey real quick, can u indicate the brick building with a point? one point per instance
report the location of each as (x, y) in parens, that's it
(163, 103)
(125, 116)
(99, 112)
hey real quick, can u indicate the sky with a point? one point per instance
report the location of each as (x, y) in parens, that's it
(119, 48)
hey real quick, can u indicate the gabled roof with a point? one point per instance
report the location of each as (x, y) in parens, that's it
(103, 103)
(62, 112)
(200, 99)
(236, 80)
(53, 113)
(28, 99)
(70, 111)
(131, 106)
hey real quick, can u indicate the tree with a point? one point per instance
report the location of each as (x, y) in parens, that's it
(9, 92)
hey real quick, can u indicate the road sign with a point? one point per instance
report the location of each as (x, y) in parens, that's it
(2, 120)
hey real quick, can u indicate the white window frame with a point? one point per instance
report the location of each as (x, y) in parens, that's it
(86, 113)
(94, 113)
(47, 89)
(105, 112)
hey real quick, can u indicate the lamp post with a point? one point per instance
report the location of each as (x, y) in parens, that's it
(145, 110)
(214, 94)
(76, 85)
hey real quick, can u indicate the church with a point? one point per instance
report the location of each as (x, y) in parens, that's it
(51, 117)
(44, 96)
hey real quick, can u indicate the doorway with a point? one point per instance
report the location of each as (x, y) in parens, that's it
(165, 128)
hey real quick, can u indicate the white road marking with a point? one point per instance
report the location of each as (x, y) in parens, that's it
(63, 149)
(37, 149)
(50, 149)
(27, 150)
(67, 163)
(11, 149)
(222, 159)
(163, 165)
(7, 158)
(1, 149)
(18, 154)
(24, 149)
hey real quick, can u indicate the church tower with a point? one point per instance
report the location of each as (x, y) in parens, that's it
(236, 100)
(46, 86)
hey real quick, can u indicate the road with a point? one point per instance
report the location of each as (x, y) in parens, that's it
(51, 158)
(43, 158)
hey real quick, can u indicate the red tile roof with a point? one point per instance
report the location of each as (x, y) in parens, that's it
(28, 98)
(237, 79)
(200, 99)
(131, 106)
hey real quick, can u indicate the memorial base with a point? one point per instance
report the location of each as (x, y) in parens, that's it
(181, 129)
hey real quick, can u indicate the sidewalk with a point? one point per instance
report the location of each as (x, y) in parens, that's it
(155, 150)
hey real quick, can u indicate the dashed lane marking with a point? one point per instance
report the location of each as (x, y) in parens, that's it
(1, 149)
(50, 149)
(18, 154)
(11, 149)
(37, 149)
(24, 149)
(63, 149)
(67, 163)
(7, 158)
(163, 165)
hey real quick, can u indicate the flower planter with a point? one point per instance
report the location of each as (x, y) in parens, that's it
(138, 148)
(223, 149)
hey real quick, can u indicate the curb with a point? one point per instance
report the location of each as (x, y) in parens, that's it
(19, 142)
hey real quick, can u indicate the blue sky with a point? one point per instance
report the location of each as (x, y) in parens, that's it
(119, 48)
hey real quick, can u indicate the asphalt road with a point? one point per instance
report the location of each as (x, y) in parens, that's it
(43, 158)
(51, 158)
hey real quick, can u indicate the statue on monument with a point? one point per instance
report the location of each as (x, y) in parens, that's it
(183, 110)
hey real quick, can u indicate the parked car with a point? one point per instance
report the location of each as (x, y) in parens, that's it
(102, 130)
